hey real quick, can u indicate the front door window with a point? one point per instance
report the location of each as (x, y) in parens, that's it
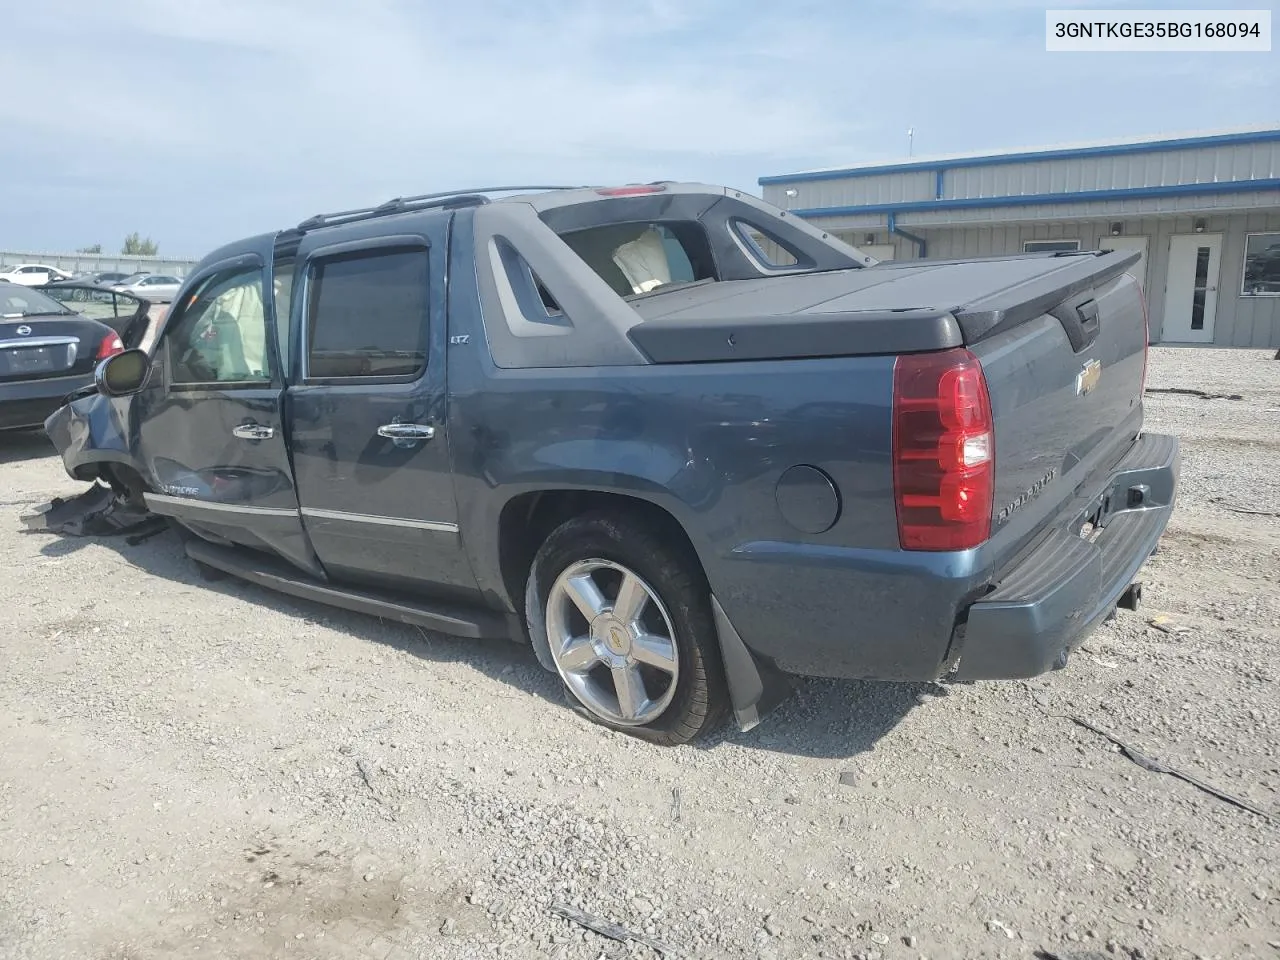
(221, 335)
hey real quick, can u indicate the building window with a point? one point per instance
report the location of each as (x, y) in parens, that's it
(1261, 265)
(1049, 246)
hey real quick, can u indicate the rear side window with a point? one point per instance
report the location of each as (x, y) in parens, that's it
(367, 315)
(635, 258)
(221, 335)
(767, 249)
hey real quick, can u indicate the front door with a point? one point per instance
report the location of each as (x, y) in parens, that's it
(209, 422)
(1139, 269)
(367, 411)
(1191, 293)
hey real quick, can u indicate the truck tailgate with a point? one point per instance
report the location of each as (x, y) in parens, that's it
(1064, 369)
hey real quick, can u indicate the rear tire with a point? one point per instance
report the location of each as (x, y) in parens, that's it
(646, 661)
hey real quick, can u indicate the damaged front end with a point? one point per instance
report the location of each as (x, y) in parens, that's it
(93, 434)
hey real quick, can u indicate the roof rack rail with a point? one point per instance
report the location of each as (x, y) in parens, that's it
(424, 201)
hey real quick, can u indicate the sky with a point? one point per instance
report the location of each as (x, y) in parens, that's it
(196, 122)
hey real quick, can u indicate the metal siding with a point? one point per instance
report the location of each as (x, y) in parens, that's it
(1230, 162)
(869, 221)
(1104, 208)
(774, 195)
(1144, 146)
(854, 191)
(1244, 321)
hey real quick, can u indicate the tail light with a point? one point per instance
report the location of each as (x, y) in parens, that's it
(943, 451)
(110, 346)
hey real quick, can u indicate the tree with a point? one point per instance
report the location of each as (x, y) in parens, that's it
(135, 246)
(95, 248)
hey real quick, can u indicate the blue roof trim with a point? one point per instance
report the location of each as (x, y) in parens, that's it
(1035, 199)
(1067, 153)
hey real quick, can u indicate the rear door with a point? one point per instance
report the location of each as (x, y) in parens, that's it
(210, 424)
(368, 407)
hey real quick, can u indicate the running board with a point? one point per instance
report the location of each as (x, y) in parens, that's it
(455, 620)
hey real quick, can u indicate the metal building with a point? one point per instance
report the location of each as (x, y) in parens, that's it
(1204, 211)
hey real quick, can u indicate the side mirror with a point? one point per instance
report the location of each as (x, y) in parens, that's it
(122, 374)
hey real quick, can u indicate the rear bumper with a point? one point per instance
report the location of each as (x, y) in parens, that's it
(27, 403)
(1051, 599)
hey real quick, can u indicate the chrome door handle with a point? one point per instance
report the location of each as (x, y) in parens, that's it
(253, 431)
(407, 431)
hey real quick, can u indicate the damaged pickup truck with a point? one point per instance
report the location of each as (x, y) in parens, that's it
(685, 444)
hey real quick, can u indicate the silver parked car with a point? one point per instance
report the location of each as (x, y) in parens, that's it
(158, 288)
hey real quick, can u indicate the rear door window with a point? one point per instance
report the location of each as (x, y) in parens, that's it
(635, 258)
(367, 315)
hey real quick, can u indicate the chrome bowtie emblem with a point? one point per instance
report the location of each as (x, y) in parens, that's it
(23, 331)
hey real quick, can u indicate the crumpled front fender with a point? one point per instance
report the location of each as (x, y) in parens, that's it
(92, 430)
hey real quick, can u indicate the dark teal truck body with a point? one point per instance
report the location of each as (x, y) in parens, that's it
(755, 403)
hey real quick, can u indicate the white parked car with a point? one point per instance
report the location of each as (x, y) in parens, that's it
(33, 274)
(158, 288)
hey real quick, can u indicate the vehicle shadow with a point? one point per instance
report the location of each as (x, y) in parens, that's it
(833, 719)
(162, 555)
(25, 445)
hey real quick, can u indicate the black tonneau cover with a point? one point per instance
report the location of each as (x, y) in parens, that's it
(892, 308)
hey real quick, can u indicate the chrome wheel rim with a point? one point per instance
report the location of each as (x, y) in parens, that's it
(612, 642)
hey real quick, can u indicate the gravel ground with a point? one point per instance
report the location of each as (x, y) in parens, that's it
(207, 769)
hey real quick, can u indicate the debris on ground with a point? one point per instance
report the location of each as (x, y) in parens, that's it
(1167, 624)
(606, 929)
(1192, 392)
(1246, 510)
(1155, 766)
(363, 769)
(98, 512)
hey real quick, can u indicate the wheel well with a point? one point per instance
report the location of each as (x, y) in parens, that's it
(527, 520)
(123, 479)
